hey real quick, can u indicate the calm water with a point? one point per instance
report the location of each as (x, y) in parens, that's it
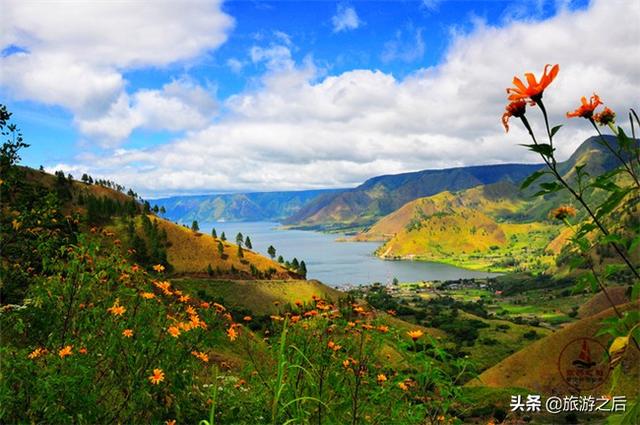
(336, 263)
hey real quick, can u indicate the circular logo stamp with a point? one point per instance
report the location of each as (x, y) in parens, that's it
(584, 364)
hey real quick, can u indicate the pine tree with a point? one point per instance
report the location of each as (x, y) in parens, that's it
(247, 243)
(280, 259)
(240, 252)
(223, 236)
(271, 251)
(194, 226)
(239, 239)
(303, 269)
(220, 248)
(213, 233)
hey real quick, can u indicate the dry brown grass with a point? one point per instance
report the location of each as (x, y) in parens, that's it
(535, 366)
(192, 252)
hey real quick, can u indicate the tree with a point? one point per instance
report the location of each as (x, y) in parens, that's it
(209, 270)
(271, 251)
(280, 259)
(85, 178)
(240, 252)
(163, 210)
(220, 248)
(239, 239)
(156, 209)
(247, 243)
(223, 236)
(303, 269)
(213, 233)
(295, 264)
(194, 226)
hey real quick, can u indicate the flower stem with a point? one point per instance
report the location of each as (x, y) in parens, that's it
(616, 153)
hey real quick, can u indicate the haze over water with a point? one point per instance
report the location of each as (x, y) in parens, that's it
(337, 263)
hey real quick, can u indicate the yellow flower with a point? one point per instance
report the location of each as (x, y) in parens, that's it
(173, 331)
(127, 333)
(381, 378)
(148, 295)
(202, 356)
(383, 328)
(66, 351)
(563, 212)
(116, 309)
(159, 268)
(403, 386)
(37, 353)
(157, 377)
(415, 335)
(191, 311)
(232, 333)
(333, 346)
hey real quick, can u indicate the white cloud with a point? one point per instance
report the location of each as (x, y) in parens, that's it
(345, 19)
(300, 129)
(180, 105)
(76, 52)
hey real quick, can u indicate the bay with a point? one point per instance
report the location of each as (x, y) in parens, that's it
(336, 263)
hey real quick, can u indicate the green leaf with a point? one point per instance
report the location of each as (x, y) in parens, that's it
(533, 177)
(541, 148)
(555, 129)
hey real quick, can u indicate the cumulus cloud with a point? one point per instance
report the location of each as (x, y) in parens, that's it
(345, 19)
(74, 54)
(301, 129)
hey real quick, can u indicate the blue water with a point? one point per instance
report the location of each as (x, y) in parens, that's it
(336, 263)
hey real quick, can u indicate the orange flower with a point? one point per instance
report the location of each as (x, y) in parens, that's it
(127, 333)
(37, 353)
(403, 386)
(148, 295)
(116, 309)
(514, 109)
(392, 312)
(333, 346)
(295, 318)
(173, 331)
(159, 268)
(170, 422)
(563, 212)
(66, 351)
(605, 117)
(586, 109)
(83, 350)
(219, 307)
(383, 328)
(157, 377)
(345, 363)
(232, 333)
(414, 335)
(532, 92)
(184, 298)
(202, 356)
(205, 304)
(190, 310)
(381, 378)
(247, 318)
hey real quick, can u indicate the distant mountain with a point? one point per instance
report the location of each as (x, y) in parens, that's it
(259, 206)
(364, 205)
(495, 226)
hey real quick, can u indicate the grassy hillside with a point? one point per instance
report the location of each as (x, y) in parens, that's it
(535, 366)
(259, 296)
(192, 253)
(465, 229)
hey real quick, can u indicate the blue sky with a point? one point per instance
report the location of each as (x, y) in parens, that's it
(122, 98)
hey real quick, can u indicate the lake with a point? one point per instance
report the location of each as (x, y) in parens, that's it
(337, 263)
